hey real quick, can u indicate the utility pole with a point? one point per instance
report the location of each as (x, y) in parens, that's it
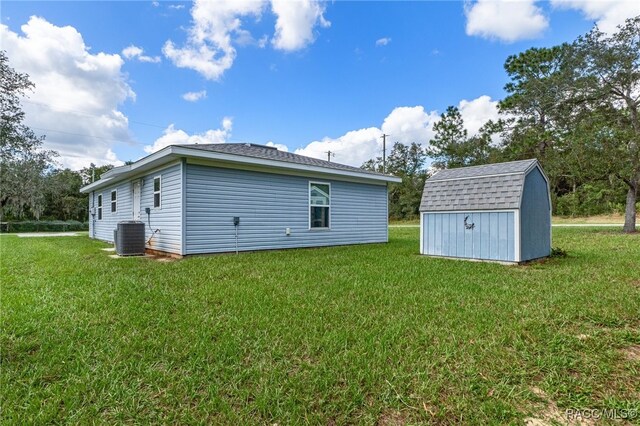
(330, 154)
(384, 153)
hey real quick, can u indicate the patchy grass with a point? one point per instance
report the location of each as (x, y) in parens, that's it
(614, 218)
(361, 334)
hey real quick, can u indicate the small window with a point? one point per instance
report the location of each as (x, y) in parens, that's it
(99, 206)
(157, 186)
(319, 205)
(114, 201)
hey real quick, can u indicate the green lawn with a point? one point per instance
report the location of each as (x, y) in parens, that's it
(359, 334)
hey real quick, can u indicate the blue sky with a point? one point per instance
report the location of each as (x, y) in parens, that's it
(112, 77)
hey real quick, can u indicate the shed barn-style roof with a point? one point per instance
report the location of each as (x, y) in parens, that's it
(489, 187)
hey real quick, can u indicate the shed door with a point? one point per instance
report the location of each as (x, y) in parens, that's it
(136, 200)
(473, 235)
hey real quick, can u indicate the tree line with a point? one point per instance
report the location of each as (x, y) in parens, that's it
(31, 184)
(575, 107)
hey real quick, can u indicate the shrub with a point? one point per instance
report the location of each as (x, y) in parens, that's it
(44, 226)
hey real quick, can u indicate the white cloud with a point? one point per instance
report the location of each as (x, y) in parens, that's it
(410, 124)
(135, 52)
(505, 20)
(354, 147)
(404, 125)
(155, 3)
(295, 23)
(194, 96)
(280, 146)
(216, 30)
(209, 49)
(176, 6)
(477, 112)
(383, 41)
(607, 14)
(77, 94)
(173, 136)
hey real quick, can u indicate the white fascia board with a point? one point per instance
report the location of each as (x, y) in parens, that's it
(92, 186)
(517, 234)
(142, 164)
(241, 159)
(117, 170)
(470, 211)
(422, 233)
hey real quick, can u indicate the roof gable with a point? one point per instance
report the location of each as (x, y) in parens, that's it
(489, 187)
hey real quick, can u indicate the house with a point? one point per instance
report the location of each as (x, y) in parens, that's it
(499, 212)
(195, 199)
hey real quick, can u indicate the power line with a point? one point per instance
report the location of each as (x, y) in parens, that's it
(84, 135)
(130, 142)
(57, 108)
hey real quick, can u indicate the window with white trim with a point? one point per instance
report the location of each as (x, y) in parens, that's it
(114, 201)
(157, 188)
(99, 206)
(319, 205)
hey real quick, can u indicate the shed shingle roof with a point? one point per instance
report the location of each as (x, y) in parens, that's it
(489, 187)
(271, 153)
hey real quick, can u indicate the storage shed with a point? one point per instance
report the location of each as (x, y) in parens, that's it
(499, 212)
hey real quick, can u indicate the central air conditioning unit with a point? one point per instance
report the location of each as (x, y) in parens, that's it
(129, 238)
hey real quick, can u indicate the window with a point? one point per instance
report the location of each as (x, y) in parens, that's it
(319, 205)
(99, 206)
(157, 185)
(114, 201)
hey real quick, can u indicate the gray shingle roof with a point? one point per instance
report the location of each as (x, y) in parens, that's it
(489, 187)
(271, 153)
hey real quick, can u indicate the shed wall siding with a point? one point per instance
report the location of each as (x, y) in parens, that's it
(492, 237)
(267, 204)
(167, 218)
(535, 217)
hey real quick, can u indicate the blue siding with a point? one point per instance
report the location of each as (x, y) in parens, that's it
(268, 203)
(167, 218)
(491, 238)
(103, 229)
(535, 222)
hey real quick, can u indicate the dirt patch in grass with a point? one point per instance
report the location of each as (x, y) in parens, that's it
(549, 414)
(632, 353)
(609, 218)
(392, 418)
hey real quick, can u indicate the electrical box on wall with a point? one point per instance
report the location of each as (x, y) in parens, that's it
(236, 220)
